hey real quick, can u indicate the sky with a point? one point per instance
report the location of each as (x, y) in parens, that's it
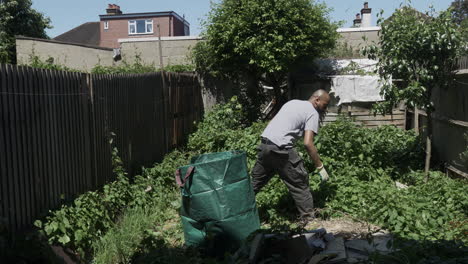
(67, 14)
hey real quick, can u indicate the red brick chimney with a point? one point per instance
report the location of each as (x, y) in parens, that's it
(357, 21)
(113, 9)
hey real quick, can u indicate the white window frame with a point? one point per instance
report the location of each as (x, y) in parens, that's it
(134, 23)
(106, 24)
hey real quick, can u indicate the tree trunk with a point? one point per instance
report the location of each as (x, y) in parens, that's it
(428, 147)
(275, 80)
(416, 120)
(278, 102)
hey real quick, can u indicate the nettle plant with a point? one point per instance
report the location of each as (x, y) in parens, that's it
(421, 49)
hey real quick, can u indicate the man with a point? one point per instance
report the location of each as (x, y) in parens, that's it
(276, 153)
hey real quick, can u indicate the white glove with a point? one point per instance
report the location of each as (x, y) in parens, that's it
(323, 174)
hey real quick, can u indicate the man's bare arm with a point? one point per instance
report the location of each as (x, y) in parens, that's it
(311, 149)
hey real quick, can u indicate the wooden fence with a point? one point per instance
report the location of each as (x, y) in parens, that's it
(55, 128)
(462, 63)
(449, 125)
(368, 119)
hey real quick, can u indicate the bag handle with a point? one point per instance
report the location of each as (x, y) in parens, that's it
(178, 178)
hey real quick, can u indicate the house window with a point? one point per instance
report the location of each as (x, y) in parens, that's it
(106, 24)
(142, 26)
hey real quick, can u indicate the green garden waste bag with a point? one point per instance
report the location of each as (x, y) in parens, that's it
(218, 207)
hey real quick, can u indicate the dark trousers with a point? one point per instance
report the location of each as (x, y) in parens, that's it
(289, 166)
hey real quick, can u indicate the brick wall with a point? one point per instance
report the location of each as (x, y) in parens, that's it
(178, 29)
(118, 29)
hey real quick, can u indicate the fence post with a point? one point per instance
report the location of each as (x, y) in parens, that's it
(92, 181)
(166, 94)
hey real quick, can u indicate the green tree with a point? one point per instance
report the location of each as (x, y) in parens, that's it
(459, 10)
(263, 39)
(422, 50)
(18, 18)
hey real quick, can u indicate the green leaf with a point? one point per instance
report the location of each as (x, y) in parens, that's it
(64, 239)
(38, 223)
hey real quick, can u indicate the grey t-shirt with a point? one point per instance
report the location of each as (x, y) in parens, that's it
(289, 124)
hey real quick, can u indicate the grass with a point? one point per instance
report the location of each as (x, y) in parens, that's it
(154, 229)
(120, 243)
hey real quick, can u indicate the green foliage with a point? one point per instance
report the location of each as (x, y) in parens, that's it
(422, 212)
(464, 154)
(36, 62)
(179, 68)
(217, 126)
(421, 50)
(364, 165)
(353, 68)
(343, 50)
(118, 244)
(150, 231)
(137, 67)
(263, 38)
(138, 220)
(78, 225)
(18, 18)
(138, 227)
(383, 147)
(459, 10)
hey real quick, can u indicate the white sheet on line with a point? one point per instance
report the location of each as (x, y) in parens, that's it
(356, 88)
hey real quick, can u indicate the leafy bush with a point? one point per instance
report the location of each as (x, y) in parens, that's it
(78, 225)
(136, 67)
(139, 67)
(387, 147)
(217, 127)
(179, 68)
(36, 62)
(424, 211)
(364, 164)
(91, 214)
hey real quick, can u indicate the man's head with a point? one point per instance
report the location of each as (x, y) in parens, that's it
(320, 100)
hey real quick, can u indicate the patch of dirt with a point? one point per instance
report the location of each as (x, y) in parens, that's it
(347, 227)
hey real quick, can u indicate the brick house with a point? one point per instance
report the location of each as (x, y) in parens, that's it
(116, 25)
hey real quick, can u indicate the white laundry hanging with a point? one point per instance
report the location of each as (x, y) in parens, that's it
(356, 88)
